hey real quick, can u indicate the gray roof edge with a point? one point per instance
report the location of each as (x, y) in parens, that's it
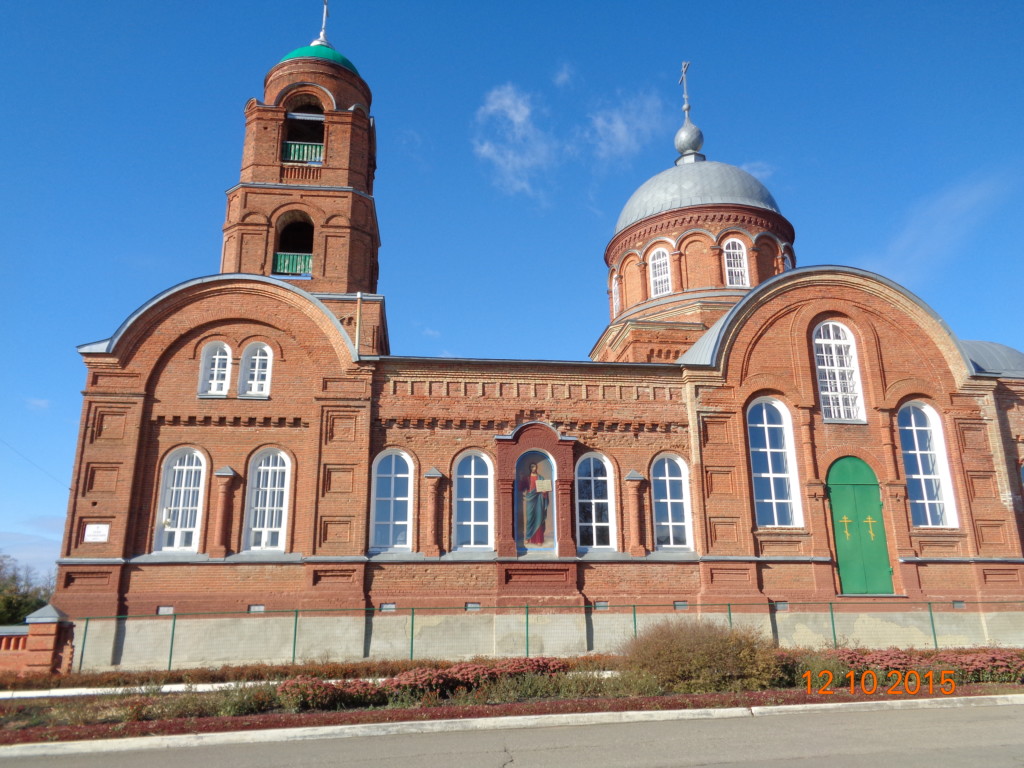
(710, 344)
(48, 614)
(992, 358)
(108, 345)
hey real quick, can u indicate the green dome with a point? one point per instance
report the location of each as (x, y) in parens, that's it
(321, 51)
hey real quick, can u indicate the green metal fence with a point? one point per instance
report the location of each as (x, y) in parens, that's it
(302, 152)
(290, 636)
(293, 263)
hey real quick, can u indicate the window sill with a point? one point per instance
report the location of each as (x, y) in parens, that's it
(844, 421)
(207, 396)
(395, 554)
(291, 277)
(940, 530)
(782, 530)
(470, 555)
(254, 397)
(602, 554)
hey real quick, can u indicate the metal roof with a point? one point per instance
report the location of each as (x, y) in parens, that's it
(993, 358)
(695, 183)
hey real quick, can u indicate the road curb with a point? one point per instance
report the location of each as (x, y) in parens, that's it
(278, 735)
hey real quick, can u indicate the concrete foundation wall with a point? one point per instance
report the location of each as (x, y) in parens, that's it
(280, 638)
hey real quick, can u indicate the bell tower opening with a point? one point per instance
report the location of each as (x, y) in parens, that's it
(303, 133)
(294, 253)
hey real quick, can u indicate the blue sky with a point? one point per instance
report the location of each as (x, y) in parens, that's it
(509, 137)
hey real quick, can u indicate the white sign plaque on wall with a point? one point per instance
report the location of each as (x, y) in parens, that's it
(96, 533)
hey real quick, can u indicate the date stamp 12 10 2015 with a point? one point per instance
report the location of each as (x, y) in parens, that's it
(895, 682)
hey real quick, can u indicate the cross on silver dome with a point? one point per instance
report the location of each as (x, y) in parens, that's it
(322, 40)
(689, 138)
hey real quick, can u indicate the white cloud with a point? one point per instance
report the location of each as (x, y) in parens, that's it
(37, 403)
(759, 169)
(622, 131)
(516, 147)
(935, 229)
(431, 332)
(564, 76)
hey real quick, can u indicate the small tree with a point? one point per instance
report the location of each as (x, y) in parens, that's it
(22, 591)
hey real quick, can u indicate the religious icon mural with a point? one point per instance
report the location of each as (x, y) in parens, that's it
(535, 503)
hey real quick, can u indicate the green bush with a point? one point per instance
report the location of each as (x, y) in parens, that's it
(703, 657)
(247, 700)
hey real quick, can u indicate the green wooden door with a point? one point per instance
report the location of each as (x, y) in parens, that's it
(861, 550)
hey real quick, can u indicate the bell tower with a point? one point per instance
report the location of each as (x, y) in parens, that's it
(303, 209)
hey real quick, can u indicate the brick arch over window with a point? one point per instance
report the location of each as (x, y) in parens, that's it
(775, 487)
(392, 498)
(596, 523)
(267, 500)
(670, 502)
(473, 501)
(926, 466)
(181, 500)
(215, 369)
(837, 369)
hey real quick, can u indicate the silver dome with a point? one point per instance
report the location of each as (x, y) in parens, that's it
(695, 183)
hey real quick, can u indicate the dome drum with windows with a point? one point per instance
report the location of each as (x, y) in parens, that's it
(689, 243)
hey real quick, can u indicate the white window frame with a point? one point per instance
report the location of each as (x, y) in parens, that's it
(255, 371)
(933, 489)
(778, 468)
(616, 296)
(675, 494)
(737, 266)
(181, 502)
(838, 373)
(587, 501)
(480, 507)
(215, 370)
(392, 503)
(267, 500)
(659, 266)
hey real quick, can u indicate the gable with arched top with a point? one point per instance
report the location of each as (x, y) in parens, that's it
(715, 350)
(138, 326)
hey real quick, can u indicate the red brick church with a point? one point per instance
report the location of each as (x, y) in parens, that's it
(745, 430)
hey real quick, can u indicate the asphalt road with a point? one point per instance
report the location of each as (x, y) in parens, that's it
(988, 736)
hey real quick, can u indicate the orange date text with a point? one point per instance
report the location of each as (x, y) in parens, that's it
(895, 682)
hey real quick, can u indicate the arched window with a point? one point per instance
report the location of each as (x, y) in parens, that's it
(736, 274)
(303, 134)
(787, 262)
(670, 490)
(929, 487)
(215, 369)
(773, 464)
(616, 301)
(835, 357)
(392, 502)
(473, 500)
(595, 511)
(257, 361)
(294, 254)
(181, 500)
(267, 500)
(661, 277)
